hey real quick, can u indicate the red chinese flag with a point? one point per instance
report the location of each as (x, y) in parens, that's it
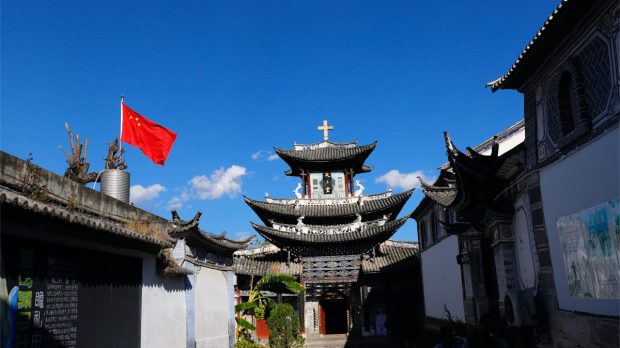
(154, 140)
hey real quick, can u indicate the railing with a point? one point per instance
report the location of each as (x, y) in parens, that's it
(329, 201)
(302, 228)
(306, 147)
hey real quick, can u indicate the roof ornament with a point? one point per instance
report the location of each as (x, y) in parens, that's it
(358, 192)
(325, 128)
(357, 224)
(78, 167)
(179, 225)
(301, 227)
(449, 144)
(297, 194)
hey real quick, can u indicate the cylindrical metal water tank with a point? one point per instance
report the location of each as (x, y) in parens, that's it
(115, 183)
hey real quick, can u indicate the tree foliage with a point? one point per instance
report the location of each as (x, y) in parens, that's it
(283, 324)
(278, 283)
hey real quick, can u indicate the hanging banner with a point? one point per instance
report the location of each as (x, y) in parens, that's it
(328, 184)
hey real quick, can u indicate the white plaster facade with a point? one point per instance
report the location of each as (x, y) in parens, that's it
(441, 278)
(212, 308)
(163, 308)
(582, 179)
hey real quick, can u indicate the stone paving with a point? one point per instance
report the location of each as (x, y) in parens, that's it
(342, 341)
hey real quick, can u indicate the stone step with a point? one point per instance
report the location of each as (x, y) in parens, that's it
(341, 341)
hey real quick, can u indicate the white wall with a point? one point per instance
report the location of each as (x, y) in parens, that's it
(212, 308)
(441, 278)
(163, 308)
(583, 179)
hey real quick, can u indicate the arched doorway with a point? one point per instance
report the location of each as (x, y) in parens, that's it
(334, 309)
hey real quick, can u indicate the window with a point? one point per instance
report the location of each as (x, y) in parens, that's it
(315, 185)
(566, 99)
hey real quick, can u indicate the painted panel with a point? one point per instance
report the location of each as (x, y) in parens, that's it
(584, 179)
(590, 249)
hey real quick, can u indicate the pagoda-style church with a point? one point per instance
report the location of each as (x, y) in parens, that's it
(336, 239)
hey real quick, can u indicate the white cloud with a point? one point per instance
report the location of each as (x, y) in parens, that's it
(259, 154)
(140, 194)
(242, 235)
(221, 182)
(406, 181)
(177, 202)
(268, 155)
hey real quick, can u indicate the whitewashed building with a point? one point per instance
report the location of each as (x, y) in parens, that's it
(82, 269)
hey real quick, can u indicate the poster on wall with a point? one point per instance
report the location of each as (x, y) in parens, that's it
(591, 251)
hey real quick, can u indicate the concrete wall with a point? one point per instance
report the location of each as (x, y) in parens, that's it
(212, 308)
(581, 180)
(163, 308)
(441, 277)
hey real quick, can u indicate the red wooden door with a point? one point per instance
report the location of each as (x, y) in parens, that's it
(322, 328)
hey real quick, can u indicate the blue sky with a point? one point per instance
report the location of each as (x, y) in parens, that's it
(235, 78)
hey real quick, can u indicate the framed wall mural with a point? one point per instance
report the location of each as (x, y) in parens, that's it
(590, 241)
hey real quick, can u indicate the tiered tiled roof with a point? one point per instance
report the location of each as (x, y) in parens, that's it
(282, 238)
(327, 158)
(329, 214)
(354, 243)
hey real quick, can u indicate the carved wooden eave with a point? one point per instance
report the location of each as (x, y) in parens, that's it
(442, 195)
(480, 181)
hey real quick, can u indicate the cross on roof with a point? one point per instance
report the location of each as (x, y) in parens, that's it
(325, 128)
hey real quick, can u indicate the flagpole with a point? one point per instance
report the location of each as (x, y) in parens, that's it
(120, 141)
